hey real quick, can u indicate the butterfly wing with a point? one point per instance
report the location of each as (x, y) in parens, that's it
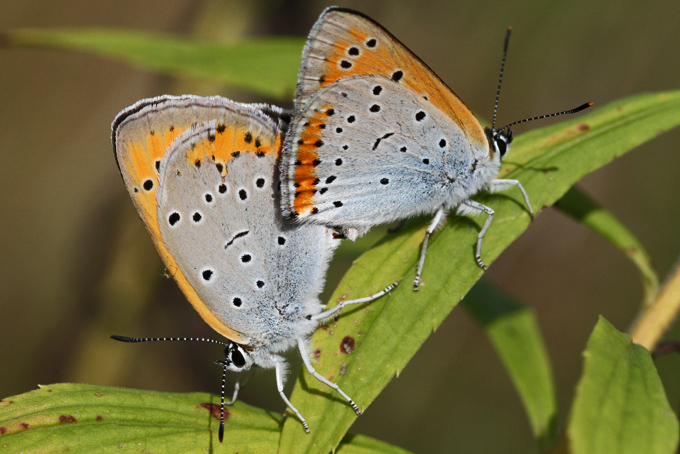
(346, 43)
(212, 213)
(368, 150)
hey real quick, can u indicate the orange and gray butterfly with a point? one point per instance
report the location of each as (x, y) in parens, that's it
(210, 199)
(378, 137)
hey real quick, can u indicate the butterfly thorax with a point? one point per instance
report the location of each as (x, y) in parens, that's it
(480, 172)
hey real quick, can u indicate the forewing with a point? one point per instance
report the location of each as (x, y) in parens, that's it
(345, 43)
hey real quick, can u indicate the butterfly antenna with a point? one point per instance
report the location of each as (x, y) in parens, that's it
(195, 339)
(498, 94)
(160, 339)
(500, 77)
(571, 111)
(224, 381)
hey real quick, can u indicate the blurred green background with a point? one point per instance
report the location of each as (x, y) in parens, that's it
(77, 265)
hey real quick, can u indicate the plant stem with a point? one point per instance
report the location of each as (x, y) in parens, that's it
(657, 317)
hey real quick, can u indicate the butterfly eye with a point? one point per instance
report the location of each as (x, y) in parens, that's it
(502, 142)
(502, 147)
(236, 357)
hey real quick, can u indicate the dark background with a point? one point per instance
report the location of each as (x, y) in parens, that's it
(76, 264)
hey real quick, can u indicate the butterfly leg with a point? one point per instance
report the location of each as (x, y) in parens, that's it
(501, 185)
(471, 207)
(321, 378)
(433, 225)
(237, 387)
(342, 304)
(279, 386)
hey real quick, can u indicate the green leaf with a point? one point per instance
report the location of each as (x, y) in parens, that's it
(267, 66)
(514, 333)
(388, 332)
(620, 403)
(361, 444)
(79, 418)
(589, 213)
(89, 418)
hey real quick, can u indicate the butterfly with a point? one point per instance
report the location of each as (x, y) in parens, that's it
(378, 137)
(203, 175)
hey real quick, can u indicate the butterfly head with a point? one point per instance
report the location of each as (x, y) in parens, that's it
(499, 141)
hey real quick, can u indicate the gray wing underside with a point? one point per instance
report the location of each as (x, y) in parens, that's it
(387, 154)
(252, 270)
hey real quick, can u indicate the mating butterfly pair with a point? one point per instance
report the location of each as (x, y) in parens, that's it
(247, 224)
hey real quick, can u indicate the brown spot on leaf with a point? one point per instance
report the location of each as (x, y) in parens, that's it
(347, 345)
(583, 127)
(3, 430)
(99, 418)
(214, 410)
(67, 418)
(317, 354)
(24, 425)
